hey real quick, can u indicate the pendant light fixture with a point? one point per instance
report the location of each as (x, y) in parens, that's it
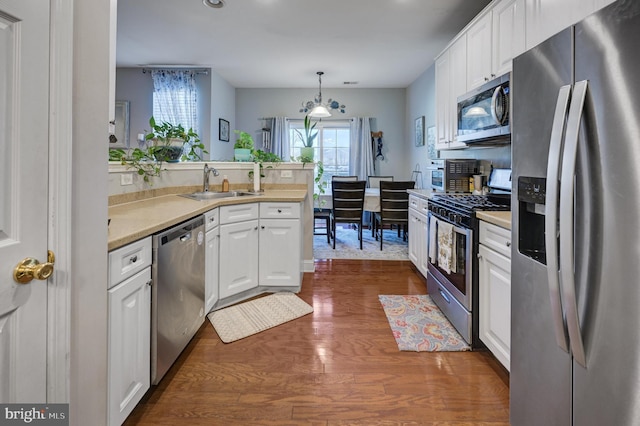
(316, 108)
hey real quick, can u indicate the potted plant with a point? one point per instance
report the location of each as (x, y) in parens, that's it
(243, 146)
(169, 142)
(261, 157)
(307, 138)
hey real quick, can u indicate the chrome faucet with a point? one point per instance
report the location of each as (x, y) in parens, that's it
(205, 178)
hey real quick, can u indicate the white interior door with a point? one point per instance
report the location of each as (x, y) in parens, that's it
(24, 118)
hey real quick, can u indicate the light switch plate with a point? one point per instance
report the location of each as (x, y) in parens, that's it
(126, 179)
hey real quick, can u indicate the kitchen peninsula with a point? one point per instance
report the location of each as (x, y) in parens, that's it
(173, 259)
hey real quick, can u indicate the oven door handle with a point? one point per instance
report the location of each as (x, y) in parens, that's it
(457, 229)
(551, 216)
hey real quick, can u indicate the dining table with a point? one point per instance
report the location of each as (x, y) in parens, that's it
(371, 200)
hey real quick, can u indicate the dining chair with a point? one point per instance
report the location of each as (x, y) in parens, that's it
(324, 215)
(348, 203)
(374, 181)
(394, 207)
(340, 178)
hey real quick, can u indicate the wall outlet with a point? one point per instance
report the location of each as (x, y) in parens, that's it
(126, 179)
(286, 173)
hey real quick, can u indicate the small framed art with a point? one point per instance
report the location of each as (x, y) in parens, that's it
(419, 130)
(223, 130)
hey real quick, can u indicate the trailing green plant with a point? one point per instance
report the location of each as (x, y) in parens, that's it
(321, 184)
(260, 157)
(309, 135)
(244, 141)
(163, 134)
(140, 159)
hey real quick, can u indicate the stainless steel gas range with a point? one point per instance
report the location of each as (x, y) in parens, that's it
(452, 278)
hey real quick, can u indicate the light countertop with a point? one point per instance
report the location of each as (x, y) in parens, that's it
(502, 219)
(138, 219)
(422, 193)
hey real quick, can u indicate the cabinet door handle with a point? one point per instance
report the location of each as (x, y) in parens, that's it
(262, 227)
(149, 283)
(279, 211)
(508, 243)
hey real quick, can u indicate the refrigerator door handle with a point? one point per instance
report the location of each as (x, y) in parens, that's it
(567, 222)
(551, 215)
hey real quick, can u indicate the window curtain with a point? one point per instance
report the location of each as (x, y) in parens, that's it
(361, 152)
(280, 137)
(175, 98)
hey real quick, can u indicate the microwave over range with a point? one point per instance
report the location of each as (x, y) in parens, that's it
(483, 113)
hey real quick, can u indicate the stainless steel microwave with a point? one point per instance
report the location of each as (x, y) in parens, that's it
(452, 175)
(484, 113)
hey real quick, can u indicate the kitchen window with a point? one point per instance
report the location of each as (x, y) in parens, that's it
(332, 146)
(175, 98)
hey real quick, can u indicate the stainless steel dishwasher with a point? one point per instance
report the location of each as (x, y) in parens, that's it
(177, 294)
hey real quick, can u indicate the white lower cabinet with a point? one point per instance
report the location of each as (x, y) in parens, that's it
(211, 265)
(261, 245)
(129, 329)
(238, 265)
(280, 252)
(280, 263)
(495, 290)
(418, 233)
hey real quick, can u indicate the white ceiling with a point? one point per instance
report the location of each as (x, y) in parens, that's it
(282, 43)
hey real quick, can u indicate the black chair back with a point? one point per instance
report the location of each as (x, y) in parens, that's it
(340, 178)
(394, 206)
(348, 205)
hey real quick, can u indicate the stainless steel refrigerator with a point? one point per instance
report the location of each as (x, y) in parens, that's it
(575, 339)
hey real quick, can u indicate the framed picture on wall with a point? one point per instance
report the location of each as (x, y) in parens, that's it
(223, 130)
(121, 134)
(419, 130)
(431, 142)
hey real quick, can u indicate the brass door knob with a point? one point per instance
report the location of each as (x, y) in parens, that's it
(30, 268)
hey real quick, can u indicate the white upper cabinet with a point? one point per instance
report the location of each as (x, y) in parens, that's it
(443, 101)
(494, 40)
(508, 34)
(545, 18)
(451, 82)
(457, 86)
(479, 52)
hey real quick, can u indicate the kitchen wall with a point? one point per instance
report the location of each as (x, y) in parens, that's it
(216, 100)
(421, 101)
(385, 106)
(421, 96)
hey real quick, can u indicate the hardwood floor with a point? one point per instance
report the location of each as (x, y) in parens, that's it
(337, 366)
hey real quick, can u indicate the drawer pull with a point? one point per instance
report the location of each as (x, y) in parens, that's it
(279, 211)
(444, 296)
(133, 259)
(508, 243)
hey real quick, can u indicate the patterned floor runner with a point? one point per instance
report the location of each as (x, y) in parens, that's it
(418, 325)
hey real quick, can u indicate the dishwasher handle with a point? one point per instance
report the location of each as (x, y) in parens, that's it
(182, 232)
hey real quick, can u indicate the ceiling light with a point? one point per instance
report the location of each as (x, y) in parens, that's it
(216, 4)
(316, 107)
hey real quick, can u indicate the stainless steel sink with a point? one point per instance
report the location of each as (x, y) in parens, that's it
(212, 195)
